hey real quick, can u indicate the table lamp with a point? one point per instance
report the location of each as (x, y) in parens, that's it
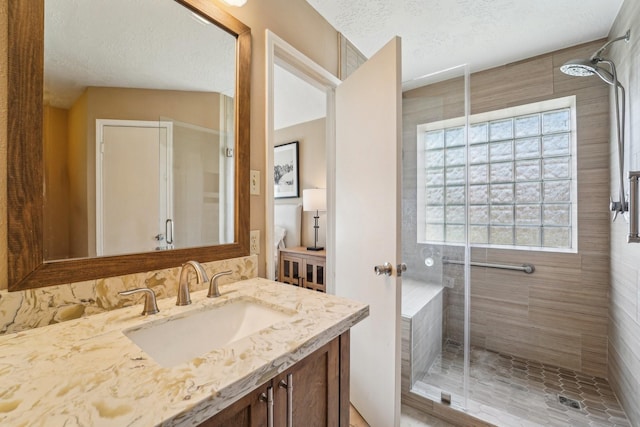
(315, 199)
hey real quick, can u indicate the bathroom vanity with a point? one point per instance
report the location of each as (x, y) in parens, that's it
(313, 392)
(281, 355)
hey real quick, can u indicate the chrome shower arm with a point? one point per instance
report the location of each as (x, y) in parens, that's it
(596, 54)
(605, 75)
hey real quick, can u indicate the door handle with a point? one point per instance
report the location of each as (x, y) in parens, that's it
(268, 399)
(402, 267)
(288, 385)
(386, 269)
(168, 231)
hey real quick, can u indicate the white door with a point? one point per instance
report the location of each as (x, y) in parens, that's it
(367, 227)
(132, 187)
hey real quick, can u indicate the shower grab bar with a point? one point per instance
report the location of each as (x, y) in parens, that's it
(633, 207)
(527, 268)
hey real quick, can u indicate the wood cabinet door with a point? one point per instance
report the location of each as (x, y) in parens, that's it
(312, 388)
(250, 411)
(291, 269)
(314, 274)
(313, 392)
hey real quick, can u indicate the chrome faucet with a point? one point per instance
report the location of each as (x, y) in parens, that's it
(150, 304)
(213, 285)
(184, 298)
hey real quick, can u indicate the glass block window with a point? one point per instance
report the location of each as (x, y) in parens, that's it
(520, 188)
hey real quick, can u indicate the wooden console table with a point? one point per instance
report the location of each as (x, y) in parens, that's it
(301, 267)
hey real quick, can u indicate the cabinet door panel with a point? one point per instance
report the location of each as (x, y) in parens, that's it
(314, 274)
(291, 269)
(320, 393)
(249, 411)
(316, 394)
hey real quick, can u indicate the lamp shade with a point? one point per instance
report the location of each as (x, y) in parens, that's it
(314, 199)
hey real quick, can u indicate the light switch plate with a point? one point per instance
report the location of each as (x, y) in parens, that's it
(255, 183)
(254, 242)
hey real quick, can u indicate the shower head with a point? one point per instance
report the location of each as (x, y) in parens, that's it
(579, 67)
(588, 67)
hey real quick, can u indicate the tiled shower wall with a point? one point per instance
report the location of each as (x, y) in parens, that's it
(624, 312)
(558, 315)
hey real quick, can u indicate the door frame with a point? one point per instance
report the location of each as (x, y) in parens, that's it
(281, 53)
(168, 160)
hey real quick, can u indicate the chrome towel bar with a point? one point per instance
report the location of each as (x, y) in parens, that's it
(633, 207)
(527, 268)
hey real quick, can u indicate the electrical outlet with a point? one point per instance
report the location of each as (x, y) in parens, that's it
(254, 187)
(254, 242)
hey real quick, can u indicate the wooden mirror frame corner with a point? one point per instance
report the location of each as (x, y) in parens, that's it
(27, 267)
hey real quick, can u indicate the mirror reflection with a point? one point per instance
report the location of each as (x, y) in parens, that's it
(138, 141)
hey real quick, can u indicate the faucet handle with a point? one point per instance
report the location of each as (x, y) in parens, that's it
(150, 304)
(214, 291)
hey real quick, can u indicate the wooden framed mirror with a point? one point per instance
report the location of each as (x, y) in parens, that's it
(29, 267)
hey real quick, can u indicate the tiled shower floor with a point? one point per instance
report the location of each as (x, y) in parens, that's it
(509, 391)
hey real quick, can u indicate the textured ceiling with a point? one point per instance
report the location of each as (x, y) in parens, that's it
(136, 44)
(439, 34)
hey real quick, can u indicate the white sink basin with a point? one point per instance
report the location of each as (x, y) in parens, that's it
(183, 338)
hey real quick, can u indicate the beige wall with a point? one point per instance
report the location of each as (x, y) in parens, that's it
(56, 202)
(308, 32)
(301, 26)
(79, 179)
(559, 314)
(624, 312)
(196, 184)
(313, 171)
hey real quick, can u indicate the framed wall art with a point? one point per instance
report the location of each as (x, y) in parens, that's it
(286, 174)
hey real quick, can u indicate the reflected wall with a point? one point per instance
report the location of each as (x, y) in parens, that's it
(70, 183)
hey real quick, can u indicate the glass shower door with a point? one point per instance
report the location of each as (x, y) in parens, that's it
(435, 288)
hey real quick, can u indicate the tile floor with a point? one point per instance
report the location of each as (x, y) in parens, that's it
(509, 391)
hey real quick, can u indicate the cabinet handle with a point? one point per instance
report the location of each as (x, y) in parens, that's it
(633, 236)
(288, 384)
(268, 398)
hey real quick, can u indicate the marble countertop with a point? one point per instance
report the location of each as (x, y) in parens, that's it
(86, 372)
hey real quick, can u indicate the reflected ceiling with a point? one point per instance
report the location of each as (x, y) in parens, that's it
(110, 46)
